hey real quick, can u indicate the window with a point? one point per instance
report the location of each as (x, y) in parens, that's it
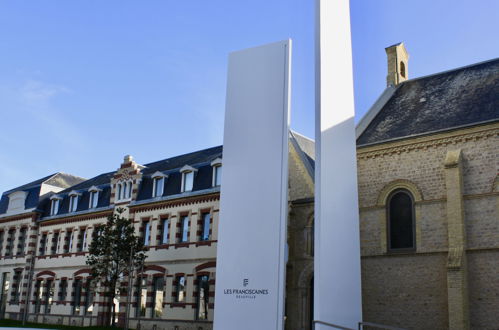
(63, 289)
(73, 203)
(43, 244)
(10, 242)
(68, 242)
(203, 297)
(402, 69)
(142, 297)
(309, 232)
(48, 296)
(2, 233)
(94, 199)
(16, 290)
(217, 172)
(205, 227)
(55, 243)
(187, 178)
(188, 181)
(76, 297)
(158, 186)
(54, 207)
(38, 295)
(128, 189)
(82, 240)
(165, 232)
(147, 232)
(21, 241)
(157, 300)
(118, 192)
(184, 229)
(401, 221)
(180, 288)
(89, 298)
(4, 289)
(124, 190)
(96, 233)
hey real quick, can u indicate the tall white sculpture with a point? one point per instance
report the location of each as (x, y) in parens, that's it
(337, 281)
(250, 279)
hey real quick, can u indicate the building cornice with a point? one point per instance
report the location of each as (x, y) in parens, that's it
(73, 218)
(426, 142)
(181, 201)
(32, 215)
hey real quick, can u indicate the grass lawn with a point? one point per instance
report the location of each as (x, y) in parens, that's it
(18, 324)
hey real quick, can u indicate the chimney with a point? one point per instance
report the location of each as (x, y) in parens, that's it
(397, 64)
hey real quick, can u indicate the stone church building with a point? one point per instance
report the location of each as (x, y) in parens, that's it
(428, 163)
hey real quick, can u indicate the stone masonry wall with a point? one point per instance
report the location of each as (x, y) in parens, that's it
(410, 290)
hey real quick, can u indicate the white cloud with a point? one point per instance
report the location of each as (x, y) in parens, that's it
(38, 93)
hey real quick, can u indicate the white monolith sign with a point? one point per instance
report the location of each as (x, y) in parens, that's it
(337, 281)
(250, 279)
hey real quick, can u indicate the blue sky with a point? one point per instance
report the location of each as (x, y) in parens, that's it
(83, 83)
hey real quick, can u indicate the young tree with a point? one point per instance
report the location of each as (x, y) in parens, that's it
(114, 251)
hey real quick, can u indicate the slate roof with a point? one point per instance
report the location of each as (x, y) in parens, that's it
(61, 180)
(202, 181)
(457, 98)
(200, 160)
(305, 148)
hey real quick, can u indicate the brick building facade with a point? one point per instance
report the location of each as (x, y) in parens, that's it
(428, 163)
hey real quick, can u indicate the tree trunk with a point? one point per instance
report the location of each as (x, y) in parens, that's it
(113, 307)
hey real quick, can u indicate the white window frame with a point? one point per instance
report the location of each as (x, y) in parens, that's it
(128, 192)
(216, 165)
(55, 204)
(147, 233)
(158, 177)
(185, 171)
(93, 191)
(73, 201)
(123, 190)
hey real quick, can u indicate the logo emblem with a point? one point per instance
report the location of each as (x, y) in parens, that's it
(245, 282)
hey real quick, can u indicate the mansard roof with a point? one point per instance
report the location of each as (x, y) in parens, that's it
(200, 160)
(33, 189)
(448, 100)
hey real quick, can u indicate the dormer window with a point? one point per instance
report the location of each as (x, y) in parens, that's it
(128, 192)
(16, 201)
(118, 191)
(54, 207)
(158, 184)
(73, 201)
(124, 190)
(187, 177)
(217, 172)
(94, 197)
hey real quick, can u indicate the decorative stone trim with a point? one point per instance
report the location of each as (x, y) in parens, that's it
(423, 145)
(399, 184)
(181, 201)
(70, 219)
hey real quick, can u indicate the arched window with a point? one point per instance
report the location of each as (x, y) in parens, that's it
(118, 194)
(128, 189)
(402, 69)
(309, 236)
(401, 229)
